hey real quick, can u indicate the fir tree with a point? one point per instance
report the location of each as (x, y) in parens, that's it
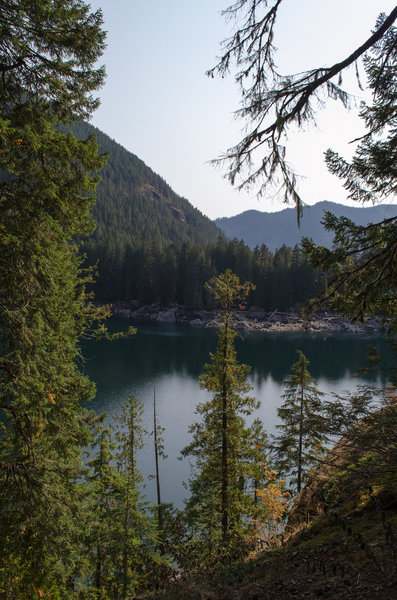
(303, 426)
(136, 538)
(48, 55)
(361, 266)
(221, 505)
(104, 485)
(271, 102)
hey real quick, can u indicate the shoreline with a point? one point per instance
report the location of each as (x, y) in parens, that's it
(253, 319)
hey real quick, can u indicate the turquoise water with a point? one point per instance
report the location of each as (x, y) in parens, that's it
(171, 358)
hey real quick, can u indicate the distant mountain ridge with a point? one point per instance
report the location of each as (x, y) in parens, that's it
(134, 204)
(278, 228)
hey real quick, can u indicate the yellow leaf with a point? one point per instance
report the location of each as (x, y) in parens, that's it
(51, 398)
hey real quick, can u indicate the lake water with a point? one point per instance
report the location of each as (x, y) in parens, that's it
(171, 358)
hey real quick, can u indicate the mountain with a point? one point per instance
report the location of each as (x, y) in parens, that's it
(136, 204)
(276, 229)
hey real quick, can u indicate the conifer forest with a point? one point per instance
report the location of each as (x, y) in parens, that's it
(307, 511)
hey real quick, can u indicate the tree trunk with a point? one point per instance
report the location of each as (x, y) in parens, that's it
(156, 454)
(299, 482)
(225, 449)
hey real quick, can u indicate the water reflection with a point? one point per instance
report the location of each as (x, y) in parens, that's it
(172, 358)
(334, 357)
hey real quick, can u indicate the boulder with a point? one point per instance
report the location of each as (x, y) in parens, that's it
(123, 312)
(167, 316)
(196, 322)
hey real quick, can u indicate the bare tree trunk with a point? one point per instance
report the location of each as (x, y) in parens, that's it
(156, 454)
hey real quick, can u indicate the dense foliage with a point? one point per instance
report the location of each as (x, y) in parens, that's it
(69, 531)
(122, 543)
(147, 273)
(48, 55)
(134, 203)
(362, 265)
(228, 453)
(303, 426)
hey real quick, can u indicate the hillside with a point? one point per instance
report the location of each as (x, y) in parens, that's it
(134, 203)
(340, 540)
(276, 229)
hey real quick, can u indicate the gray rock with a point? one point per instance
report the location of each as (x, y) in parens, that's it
(167, 316)
(196, 322)
(123, 312)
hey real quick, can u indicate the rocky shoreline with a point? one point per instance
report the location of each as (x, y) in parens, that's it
(253, 319)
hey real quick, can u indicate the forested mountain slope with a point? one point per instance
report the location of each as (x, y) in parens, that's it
(152, 246)
(134, 203)
(275, 229)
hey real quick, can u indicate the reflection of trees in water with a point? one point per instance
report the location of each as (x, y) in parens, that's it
(162, 350)
(331, 357)
(151, 352)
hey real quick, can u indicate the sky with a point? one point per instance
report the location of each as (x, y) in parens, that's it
(158, 103)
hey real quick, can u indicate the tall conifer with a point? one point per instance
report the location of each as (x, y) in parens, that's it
(221, 505)
(48, 55)
(303, 426)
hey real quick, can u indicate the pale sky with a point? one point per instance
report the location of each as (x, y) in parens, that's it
(158, 102)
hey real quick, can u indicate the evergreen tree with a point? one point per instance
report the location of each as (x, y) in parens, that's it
(123, 537)
(361, 267)
(303, 426)
(104, 485)
(271, 102)
(221, 504)
(48, 53)
(158, 439)
(135, 536)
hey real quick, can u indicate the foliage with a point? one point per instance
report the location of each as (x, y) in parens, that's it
(303, 427)
(275, 501)
(362, 266)
(104, 483)
(147, 273)
(134, 203)
(221, 505)
(123, 536)
(366, 421)
(48, 53)
(272, 102)
(48, 56)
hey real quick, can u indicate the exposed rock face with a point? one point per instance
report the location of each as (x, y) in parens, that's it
(150, 190)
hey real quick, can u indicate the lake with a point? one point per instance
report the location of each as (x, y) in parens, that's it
(171, 358)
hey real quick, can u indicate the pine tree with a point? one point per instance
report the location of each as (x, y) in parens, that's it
(303, 426)
(221, 506)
